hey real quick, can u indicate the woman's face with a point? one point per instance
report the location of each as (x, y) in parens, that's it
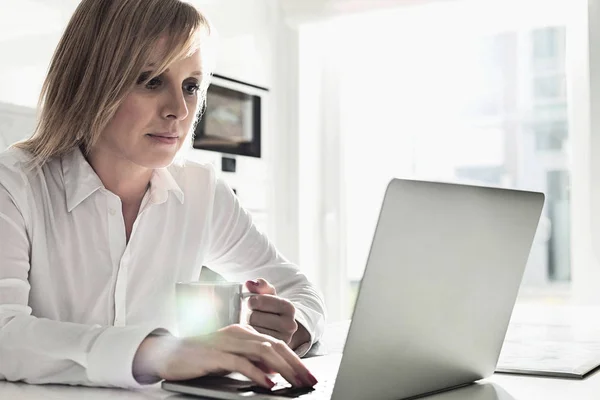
(152, 123)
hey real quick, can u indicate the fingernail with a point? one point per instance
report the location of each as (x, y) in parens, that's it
(300, 382)
(269, 383)
(253, 282)
(312, 379)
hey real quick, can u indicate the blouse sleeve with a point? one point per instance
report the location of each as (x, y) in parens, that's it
(239, 251)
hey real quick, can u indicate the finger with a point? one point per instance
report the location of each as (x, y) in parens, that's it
(261, 286)
(266, 287)
(271, 304)
(258, 349)
(221, 372)
(272, 358)
(283, 350)
(283, 324)
(236, 363)
(302, 374)
(265, 368)
(272, 333)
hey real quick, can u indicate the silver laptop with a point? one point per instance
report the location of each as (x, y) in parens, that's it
(435, 300)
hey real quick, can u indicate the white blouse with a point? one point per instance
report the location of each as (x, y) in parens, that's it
(76, 300)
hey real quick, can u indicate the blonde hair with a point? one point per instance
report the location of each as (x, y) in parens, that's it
(98, 61)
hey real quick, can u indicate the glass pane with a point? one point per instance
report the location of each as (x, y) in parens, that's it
(545, 43)
(477, 104)
(548, 48)
(551, 87)
(550, 135)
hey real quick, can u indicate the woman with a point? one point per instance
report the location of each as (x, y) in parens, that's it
(97, 223)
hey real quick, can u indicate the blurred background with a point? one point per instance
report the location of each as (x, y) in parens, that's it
(351, 93)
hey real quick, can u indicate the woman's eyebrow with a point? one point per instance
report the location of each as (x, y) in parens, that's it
(194, 73)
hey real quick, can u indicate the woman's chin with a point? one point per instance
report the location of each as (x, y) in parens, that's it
(157, 161)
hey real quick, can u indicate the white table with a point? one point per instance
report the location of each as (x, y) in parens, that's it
(497, 387)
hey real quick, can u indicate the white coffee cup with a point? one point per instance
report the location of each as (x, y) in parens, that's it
(206, 307)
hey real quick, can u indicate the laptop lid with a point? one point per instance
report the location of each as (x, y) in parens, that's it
(438, 290)
(441, 280)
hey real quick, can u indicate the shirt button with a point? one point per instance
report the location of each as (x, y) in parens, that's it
(111, 211)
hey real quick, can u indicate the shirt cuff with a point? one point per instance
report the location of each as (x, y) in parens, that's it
(305, 316)
(110, 361)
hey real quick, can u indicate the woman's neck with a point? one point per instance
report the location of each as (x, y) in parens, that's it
(120, 176)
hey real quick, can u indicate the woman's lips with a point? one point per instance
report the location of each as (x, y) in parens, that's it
(163, 138)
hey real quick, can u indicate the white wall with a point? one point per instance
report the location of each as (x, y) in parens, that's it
(255, 45)
(245, 44)
(29, 32)
(16, 122)
(584, 121)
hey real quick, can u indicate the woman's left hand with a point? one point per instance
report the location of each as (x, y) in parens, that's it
(273, 315)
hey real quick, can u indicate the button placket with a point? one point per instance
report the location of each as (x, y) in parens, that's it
(120, 296)
(121, 293)
(117, 242)
(121, 258)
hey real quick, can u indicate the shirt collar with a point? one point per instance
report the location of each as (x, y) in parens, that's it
(81, 181)
(161, 183)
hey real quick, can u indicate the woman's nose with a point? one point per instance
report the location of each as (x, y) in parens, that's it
(175, 106)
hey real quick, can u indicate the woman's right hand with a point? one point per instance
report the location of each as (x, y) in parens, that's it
(236, 348)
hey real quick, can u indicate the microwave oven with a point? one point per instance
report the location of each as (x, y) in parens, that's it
(233, 118)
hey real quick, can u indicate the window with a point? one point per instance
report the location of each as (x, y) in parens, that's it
(484, 103)
(550, 136)
(548, 48)
(549, 87)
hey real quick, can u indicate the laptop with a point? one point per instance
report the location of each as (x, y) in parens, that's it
(433, 307)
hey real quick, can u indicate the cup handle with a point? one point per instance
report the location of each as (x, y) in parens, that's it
(245, 314)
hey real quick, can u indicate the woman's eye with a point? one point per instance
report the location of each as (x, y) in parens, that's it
(142, 78)
(191, 88)
(152, 84)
